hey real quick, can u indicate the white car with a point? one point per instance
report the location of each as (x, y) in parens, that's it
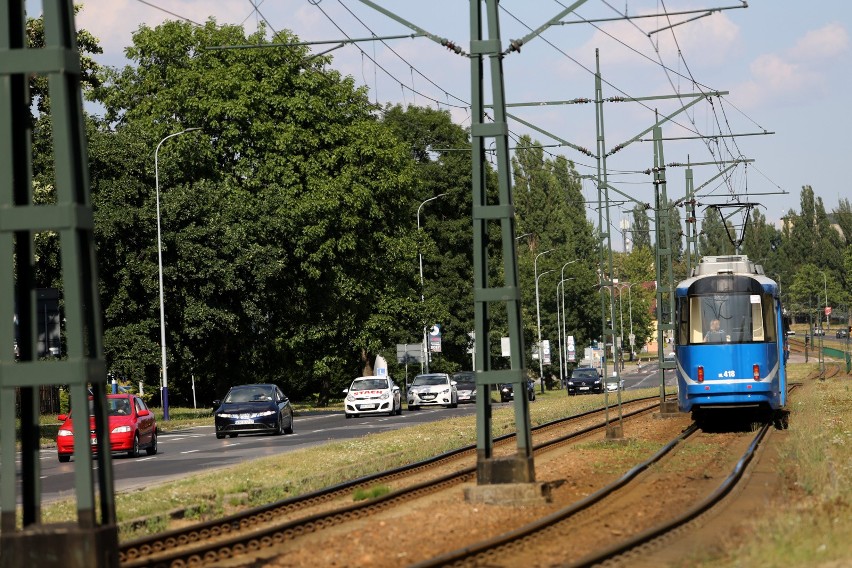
(372, 395)
(434, 389)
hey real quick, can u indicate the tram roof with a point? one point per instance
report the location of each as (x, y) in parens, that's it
(733, 265)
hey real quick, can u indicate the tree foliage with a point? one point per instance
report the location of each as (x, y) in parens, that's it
(287, 241)
(550, 210)
(641, 227)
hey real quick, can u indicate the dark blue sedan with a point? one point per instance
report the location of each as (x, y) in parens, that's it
(253, 409)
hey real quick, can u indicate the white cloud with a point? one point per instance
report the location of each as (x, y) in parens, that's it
(827, 42)
(708, 41)
(797, 73)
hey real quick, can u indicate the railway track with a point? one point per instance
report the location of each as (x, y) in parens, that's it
(537, 539)
(213, 542)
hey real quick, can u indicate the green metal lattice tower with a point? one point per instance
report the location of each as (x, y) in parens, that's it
(663, 267)
(519, 467)
(92, 541)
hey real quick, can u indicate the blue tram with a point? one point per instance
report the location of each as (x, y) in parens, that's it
(729, 341)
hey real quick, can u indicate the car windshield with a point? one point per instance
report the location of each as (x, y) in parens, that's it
(584, 374)
(249, 394)
(118, 407)
(369, 384)
(466, 384)
(424, 380)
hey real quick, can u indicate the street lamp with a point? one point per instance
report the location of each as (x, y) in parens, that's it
(630, 315)
(165, 383)
(562, 281)
(422, 295)
(825, 291)
(538, 314)
(631, 337)
(563, 369)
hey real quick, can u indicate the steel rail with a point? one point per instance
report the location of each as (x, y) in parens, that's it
(473, 554)
(193, 546)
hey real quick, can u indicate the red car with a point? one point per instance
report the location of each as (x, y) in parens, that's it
(131, 427)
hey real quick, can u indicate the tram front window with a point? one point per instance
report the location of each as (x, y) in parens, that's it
(731, 318)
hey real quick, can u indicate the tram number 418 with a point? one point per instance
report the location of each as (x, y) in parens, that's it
(727, 375)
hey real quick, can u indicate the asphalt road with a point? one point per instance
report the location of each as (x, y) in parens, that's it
(195, 450)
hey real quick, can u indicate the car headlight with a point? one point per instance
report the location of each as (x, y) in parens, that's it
(570, 383)
(445, 391)
(65, 433)
(597, 382)
(505, 390)
(351, 398)
(120, 429)
(385, 395)
(265, 413)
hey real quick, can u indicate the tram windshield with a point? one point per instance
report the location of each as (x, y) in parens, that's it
(726, 318)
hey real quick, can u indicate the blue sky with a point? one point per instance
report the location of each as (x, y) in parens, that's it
(786, 65)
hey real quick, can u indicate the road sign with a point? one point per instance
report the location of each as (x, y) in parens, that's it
(828, 310)
(409, 353)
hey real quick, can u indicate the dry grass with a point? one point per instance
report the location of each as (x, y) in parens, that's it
(811, 521)
(810, 524)
(270, 479)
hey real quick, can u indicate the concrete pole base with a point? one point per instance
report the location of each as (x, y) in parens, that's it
(530, 494)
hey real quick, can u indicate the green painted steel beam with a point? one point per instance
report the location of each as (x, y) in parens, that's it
(485, 43)
(93, 540)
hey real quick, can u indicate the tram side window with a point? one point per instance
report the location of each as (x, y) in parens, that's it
(756, 318)
(682, 314)
(769, 321)
(696, 327)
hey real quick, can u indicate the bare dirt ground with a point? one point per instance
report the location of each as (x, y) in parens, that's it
(443, 522)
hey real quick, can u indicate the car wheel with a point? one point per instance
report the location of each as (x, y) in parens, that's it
(232, 435)
(348, 416)
(219, 436)
(279, 427)
(152, 449)
(413, 407)
(399, 409)
(134, 451)
(64, 459)
(289, 428)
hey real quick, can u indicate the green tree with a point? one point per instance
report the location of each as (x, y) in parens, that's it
(641, 227)
(714, 237)
(550, 211)
(441, 153)
(287, 221)
(675, 232)
(843, 218)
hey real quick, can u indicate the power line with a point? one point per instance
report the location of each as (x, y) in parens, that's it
(376, 63)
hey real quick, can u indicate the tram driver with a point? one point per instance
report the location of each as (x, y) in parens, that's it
(715, 334)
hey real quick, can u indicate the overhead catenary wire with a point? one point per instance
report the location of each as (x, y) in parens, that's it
(378, 65)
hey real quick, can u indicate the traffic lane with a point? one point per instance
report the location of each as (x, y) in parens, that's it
(647, 376)
(196, 450)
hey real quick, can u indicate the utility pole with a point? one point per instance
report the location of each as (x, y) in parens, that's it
(25, 540)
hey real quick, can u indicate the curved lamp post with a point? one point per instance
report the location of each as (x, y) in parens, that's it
(564, 335)
(538, 314)
(630, 314)
(825, 293)
(422, 295)
(164, 392)
(563, 342)
(621, 288)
